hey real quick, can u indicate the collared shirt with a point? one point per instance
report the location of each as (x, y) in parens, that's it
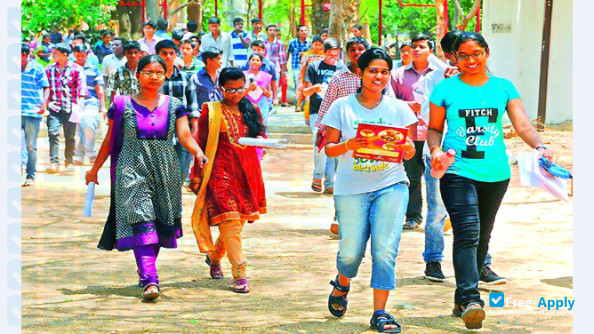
(122, 82)
(66, 87)
(94, 77)
(240, 52)
(150, 44)
(262, 36)
(92, 59)
(223, 43)
(295, 48)
(267, 67)
(408, 86)
(33, 81)
(111, 64)
(163, 34)
(206, 90)
(101, 51)
(343, 83)
(275, 53)
(194, 67)
(180, 86)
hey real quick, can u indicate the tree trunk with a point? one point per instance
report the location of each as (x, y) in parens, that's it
(130, 21)
(351, 12)
(319, 16)
(194, 12)
(152, 10)
(337, 19)
(440, 27)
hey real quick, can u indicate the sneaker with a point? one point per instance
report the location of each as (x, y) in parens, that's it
(53, 169)
(29, 183)
(473, 316)
(411, 225)
(69, 168)
(489, 277)
(433, 272)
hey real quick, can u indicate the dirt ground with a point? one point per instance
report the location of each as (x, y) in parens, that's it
(71, 286)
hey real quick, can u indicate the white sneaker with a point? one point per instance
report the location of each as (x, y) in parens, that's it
(29, 183)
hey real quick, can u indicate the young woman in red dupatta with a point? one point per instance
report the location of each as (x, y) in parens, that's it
(230, 188)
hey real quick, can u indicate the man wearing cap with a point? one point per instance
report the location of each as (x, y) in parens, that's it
(68, 89)
(149, 39)
(218, 39)
(94, 103)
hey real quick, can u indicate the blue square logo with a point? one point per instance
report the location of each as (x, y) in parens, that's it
(496, 299)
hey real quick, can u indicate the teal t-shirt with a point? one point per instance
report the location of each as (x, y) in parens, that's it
(475, 132)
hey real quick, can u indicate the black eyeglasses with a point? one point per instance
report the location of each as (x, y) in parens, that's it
(233, 90)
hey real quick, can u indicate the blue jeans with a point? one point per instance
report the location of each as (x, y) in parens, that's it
(86, 131)
(55, 121)
(379, 215)
(436, 216)
(324, 167)
(30, 128)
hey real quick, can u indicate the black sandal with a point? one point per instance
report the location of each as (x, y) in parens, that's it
(150, 296)
(338, 300)
(381, 319)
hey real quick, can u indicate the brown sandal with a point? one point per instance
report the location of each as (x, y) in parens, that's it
(316, 185)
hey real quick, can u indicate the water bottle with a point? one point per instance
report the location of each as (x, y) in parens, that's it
(89, 200)
(442, 165)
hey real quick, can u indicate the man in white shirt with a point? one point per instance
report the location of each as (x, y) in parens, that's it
(216, 38)
(112, 61)
(149, 39)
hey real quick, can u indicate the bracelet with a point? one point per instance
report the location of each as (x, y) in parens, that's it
(434, 147)
(346, 146)
(541, 146)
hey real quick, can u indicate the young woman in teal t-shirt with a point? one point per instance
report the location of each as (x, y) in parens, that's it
(473, 104)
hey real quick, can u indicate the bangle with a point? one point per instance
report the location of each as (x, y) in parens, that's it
(434, 147)
(346, 146)
(541, 146)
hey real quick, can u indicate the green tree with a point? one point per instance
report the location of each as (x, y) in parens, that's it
(37, 15)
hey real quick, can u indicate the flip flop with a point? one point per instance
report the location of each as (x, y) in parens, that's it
(151, 295)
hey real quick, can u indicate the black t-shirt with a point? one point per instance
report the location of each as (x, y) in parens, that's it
(319, 72)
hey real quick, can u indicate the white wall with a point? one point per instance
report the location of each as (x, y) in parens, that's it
(515, 45)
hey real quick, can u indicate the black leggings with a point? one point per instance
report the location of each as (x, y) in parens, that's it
(472, 206)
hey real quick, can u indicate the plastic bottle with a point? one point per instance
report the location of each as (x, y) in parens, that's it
(444, 162)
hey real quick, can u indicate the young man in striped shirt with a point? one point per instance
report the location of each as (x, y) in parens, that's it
(34, 90)
(240, 42)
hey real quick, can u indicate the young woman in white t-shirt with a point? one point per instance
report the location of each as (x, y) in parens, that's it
(370, 196)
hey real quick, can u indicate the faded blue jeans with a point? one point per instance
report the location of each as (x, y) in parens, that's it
(436, 216)
(86, 132)
(30, 131)
(379, 215)
(324, 167)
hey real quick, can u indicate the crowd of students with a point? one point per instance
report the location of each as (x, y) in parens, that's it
(173, 100)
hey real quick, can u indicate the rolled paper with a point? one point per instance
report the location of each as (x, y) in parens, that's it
(89, 201)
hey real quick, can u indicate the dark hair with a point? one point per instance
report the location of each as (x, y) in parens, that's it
(323, 31)
(150, 23)
(192, 26)
(423, 37)
(317, 39)
(358, 26)
(214, 20)
(210, 53)
(357, 40)
(257, 42)
(63, 47)
(466, 36)
(256, 20)
(200, 34)
(189, 41)
(251, 116)
(271, 26)
(237, 20)
(46, 36)
(300, 26)
(370, 55)
(146, 60)
(162, 24)
(331, 44)
(25, 49)
(131, 45)
(165, 44)
(81, 37)
(196, 39)
(107, 32)
(405, 43)
(121, 39)
(256, 54)
(80, 48)
(177, 34)
(447, 41)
